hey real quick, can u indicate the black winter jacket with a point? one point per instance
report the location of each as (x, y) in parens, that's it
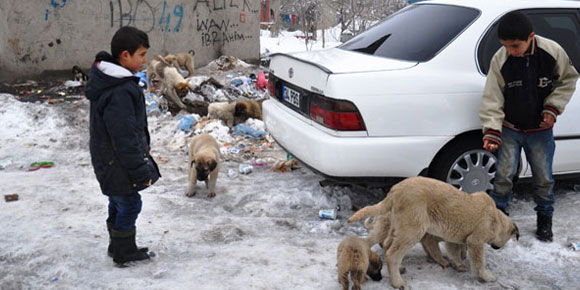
(119, 138)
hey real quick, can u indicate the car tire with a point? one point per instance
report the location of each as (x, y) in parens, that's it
(465, 165)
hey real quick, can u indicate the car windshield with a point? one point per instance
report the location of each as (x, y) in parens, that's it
(416, 33)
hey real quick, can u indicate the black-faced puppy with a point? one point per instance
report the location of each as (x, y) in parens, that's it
(420, 205)
(204, 163)
(354, 257)
(180, 60)
(223, 111)
(79, 75)
(247, 109)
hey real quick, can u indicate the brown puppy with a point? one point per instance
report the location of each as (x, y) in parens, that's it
(247, 109)
(204, 160)
(222, 111)
(180, 60)
(173, 85)
(354, 256)
(420, 205)
(379, 229)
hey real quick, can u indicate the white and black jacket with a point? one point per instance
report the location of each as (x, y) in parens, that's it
(519, 90)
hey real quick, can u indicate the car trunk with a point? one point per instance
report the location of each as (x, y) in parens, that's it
(297, 77)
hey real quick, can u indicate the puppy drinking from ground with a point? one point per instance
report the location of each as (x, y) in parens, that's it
(180, 60)
(222, 111)
(355, 257)
(420, 205)
(204, 160)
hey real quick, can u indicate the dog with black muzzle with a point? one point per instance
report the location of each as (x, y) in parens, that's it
(204, 163)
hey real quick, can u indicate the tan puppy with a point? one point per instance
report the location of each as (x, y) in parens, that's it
(204, 163)
(420, 205)
(222, 111)
(379, 229)
(180, 60)
(354, 256)
(173, 84)
(247, 109)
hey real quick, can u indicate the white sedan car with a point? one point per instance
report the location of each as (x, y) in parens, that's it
(402, 99)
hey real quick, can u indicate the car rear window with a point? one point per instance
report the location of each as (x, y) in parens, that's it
(416, 33)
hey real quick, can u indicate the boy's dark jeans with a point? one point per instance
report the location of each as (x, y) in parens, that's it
(123, 211)
(539, 148)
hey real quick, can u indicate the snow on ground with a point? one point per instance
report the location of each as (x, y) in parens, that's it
(261, 231)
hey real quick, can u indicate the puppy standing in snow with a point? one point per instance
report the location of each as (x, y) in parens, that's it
(420, 205)
(355, 257)
(204, 158)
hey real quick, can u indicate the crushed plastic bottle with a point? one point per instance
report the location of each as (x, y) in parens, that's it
(232, 173)
(246, 168)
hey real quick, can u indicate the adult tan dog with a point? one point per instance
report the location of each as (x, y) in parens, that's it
(173, 85)
(180, 60)
(354, 256)
(420, 205)
(247, 109)
(379, 229)
(204, 163)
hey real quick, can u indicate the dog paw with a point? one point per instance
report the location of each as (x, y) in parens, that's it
(400, 284)
(211, 194)
(190, 194)
(461, 268)
(486, 276)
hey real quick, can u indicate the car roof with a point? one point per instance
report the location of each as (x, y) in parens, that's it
(500, 6)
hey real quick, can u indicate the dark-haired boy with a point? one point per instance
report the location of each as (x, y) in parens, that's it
(119, 138)
(531, 79)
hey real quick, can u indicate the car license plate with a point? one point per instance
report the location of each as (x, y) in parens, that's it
(292, 97)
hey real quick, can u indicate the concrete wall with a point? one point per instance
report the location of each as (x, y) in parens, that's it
(54, 35)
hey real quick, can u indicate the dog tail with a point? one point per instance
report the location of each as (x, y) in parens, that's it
(372, 210)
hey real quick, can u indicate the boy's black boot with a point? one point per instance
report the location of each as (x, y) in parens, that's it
(110, 248)
(544, 228)
(124, 247)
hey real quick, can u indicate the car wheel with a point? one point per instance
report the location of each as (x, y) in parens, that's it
(466, 165)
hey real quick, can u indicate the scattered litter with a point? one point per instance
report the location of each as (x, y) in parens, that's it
(5, 163)
(37, 165)
(152, 105)
(53, 279)
(327, 214)
(247, 132)
(235, 150)
(10, 197)
(261, 82)
(160, 273)
(246, 168)
(186, 123)
(574, 245)
(72, 84)
(286, 166)
(142, 79)
(232, 173)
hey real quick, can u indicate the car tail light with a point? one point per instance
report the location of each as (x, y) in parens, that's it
(272, 86)
(336, 114)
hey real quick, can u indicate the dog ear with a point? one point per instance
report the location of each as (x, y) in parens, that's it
(191, 51)
(516, 231)
(212, 165)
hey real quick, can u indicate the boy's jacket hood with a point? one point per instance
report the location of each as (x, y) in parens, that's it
(106, 73)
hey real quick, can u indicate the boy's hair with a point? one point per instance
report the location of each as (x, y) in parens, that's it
(515, 26)
(128, 38)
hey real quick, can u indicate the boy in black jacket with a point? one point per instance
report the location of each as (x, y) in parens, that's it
(530, 81)
(119, 138)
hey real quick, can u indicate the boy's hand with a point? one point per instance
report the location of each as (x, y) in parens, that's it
(548, 121)
(490, 145)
